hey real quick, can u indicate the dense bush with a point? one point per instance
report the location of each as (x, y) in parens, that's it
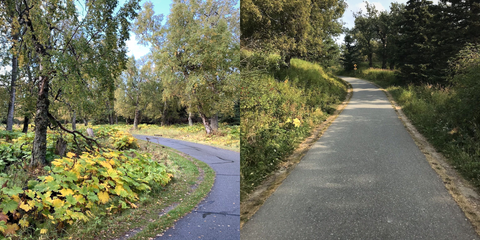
(75, 187)
(278, 108)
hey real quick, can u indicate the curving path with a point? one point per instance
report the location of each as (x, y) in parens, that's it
(218, 215)
(364, 179)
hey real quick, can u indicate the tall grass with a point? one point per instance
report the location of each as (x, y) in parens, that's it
(278, 109)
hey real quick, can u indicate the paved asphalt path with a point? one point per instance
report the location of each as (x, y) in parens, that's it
(218, 215)
(364, 179)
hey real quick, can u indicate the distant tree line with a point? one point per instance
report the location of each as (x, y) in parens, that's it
(418, 38)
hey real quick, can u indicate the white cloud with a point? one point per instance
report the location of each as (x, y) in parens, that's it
(377, 5)
(136, 49)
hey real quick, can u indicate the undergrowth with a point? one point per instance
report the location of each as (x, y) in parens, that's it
(279, 107)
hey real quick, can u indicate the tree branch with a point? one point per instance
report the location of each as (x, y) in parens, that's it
(89, 140)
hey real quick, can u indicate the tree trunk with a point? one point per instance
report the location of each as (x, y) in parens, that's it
(74, 121)
(116, 119)
(85, 122)
(137, 119)
(11, 104)
(190, 122)
(392, 65)
(112, 119)
(61, 147)
(26, 121)
(39, 150)
(110, 114)
(214, 122)
(208, 128)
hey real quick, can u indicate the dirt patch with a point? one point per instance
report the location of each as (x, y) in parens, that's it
(256, 198)
(461, 190)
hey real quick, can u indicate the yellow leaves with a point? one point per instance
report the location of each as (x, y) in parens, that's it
(90, 214)
(43, 231)
(133, 205)
(113, 173)
(57, 203)
(119, 190)
(70, 155)
(23, 223)
(65, 192)
(79, 198)
(27, 206)
(49, 178)
(103, 197)
(16, 198)
(106, 165)
(57, 162)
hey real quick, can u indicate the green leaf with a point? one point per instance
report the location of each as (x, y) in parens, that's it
(9, 206)
(71, 200)
(12, 191)
(92, 197)
(70, 176)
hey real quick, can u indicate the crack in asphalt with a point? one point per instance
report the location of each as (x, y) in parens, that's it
(205, 214)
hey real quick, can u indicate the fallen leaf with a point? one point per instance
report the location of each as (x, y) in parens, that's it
(3, 217)
(11, 229)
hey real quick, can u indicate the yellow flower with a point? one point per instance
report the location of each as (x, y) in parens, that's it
(296, 122)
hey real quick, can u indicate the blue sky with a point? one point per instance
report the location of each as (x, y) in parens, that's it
(160, 7)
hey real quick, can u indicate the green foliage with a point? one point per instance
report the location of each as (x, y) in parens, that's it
(198, 64)
(296, 29)
(350, 57)
(383, 77)
(277, 114)
(77, 185)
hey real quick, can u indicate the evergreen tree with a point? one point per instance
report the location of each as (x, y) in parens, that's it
(416, 45)
(350, 55)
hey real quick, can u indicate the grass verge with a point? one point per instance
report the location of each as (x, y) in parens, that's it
(227, 137)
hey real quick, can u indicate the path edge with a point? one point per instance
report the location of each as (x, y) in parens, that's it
(264, 190)
(464, 194)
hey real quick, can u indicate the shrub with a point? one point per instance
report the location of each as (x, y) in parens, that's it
(76, 186)
(122, 140)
